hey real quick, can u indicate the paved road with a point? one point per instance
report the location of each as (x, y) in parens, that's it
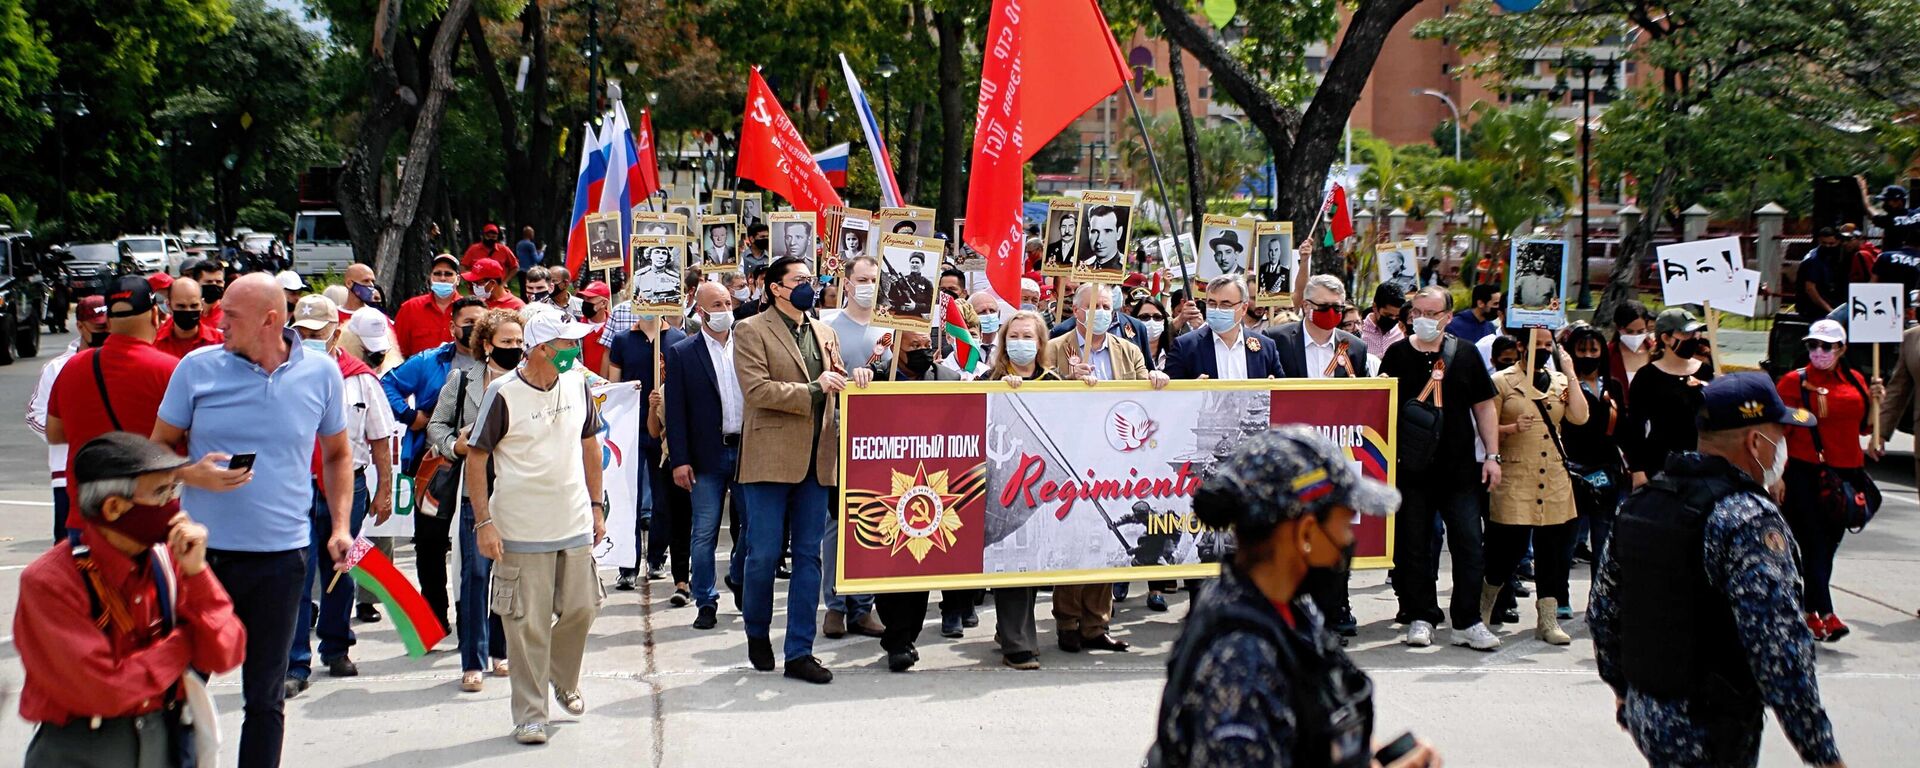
(662, 694)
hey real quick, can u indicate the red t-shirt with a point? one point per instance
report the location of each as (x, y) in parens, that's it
(136, 377)
(590, 350)
(421, 324)
(1840, 422)
(505, 301)
(203, 336)
(211, 317)
(500, 253)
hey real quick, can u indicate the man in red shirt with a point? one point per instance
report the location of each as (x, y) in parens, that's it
(212, 277)
(593, 301)
(139, 565)
(116, 387)
(187, 330)
(424, 322)
(489, 247)
(489, 283)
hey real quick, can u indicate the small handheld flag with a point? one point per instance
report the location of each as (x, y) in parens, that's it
(412, 618)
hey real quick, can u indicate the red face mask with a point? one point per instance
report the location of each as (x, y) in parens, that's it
(146, 523)
(1326, 319)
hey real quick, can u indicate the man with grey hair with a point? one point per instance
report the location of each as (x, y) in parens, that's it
(1316, 348)
(1223, 349)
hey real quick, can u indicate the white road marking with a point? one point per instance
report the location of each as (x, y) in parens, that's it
(10, 502)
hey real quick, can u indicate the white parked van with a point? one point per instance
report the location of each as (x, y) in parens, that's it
(320, 243)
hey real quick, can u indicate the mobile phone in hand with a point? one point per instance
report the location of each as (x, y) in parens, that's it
(241, 461)
(1396, 749)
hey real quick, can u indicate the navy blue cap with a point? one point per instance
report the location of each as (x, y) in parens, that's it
(1738, 400)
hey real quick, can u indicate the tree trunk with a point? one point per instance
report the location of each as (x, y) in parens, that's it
(955, 111)
(912, 149)
(390, 103)
(1189, 140)
(424, 142)
(1636, 245)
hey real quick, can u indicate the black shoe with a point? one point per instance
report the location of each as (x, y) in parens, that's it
(1520, 590)
(625, 582)
(970, 619)
(1156, 601)
(734, 587)
(1525, 571)
(898, 662)
(1582, 554)
(367, 614)
(342, 667)
(1120, 592)
(979, 599)
(680, 598)
(1506, 616)
(655, 572)
(706, 618)
(1346, 625)
(808, 668)
(950, 625)
(1070, 641)
(295, 686)
(783, 574)
(1104, 642)
(760, 653)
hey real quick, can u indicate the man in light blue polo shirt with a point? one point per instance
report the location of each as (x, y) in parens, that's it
(260, 394)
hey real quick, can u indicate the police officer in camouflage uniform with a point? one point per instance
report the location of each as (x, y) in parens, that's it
(1696, 615)
(1256, 678)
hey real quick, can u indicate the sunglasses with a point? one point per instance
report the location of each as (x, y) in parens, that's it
(1816, 344)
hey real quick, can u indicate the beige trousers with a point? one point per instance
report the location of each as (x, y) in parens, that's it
(1085, 608)
(547, 602)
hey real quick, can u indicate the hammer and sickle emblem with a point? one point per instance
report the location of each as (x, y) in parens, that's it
(759, 114)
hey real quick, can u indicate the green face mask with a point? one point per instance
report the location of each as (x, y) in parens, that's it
(563, 360)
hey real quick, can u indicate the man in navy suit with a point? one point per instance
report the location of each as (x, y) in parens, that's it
(1223, 349)
(703, 415)
(1124, 326)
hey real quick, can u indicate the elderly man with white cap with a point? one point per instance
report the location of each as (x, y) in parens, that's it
(540, 514)
(370, 423)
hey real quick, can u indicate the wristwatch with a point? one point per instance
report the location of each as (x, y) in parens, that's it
(1495, 458)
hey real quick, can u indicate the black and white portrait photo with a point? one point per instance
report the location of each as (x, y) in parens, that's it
(1061, 235)
(723, 203)
(1106, 226)
(1275, 257)
(1536, 274)
(792, 235)
(657, 223)
(856, 232)
(717, 249)
(603, 242)
(658, 263)
(1400, 266)
(1224, 250)
(909, 268)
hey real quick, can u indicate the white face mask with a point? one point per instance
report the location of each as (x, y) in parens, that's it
(1155, 328)
(1633, 341)
(863, 295)
(720, 322)
(742, 294)
(1771, 474)
(1426, 328)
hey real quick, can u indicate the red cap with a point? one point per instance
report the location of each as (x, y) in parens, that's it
(484, 270)
(160, 281)
(598, 290)
(92, 309)
(490, 229)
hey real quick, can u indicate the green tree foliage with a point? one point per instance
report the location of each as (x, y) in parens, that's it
(27, 68)
(1229, 154)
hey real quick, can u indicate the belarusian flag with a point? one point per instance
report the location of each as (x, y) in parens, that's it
(412, 618)
(1339, 218)
(966, 351)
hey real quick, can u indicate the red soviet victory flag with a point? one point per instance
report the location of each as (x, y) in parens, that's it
(646, 162)
(773, 154)
(1028, 95)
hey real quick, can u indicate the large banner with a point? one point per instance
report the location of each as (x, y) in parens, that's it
(620, 460)
(977, 484)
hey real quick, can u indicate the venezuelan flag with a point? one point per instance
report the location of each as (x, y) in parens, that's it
(1371, 453)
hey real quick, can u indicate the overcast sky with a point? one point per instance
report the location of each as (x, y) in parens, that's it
(298, 10)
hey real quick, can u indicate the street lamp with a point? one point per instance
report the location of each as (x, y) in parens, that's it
(633, 68)
(1584, 62)
(886, 71)
(1447, 100)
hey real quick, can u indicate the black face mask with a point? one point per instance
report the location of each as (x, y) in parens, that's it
(918, 361)
(507, 359)
(1542, 358)
(538, 296)
(1340, 568)
(1687, 348)
(212, 293)
(1587, 366)
(463, 334)
(96, 339)
(1385, 324)
(186, 319)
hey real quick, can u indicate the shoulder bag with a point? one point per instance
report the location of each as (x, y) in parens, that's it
(444, 486)
(1586, 486)
(1848, 497)
(1421, 422)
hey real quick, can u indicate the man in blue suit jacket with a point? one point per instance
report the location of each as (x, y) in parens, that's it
(1125, 326)
(703, 415)
(1193, 355)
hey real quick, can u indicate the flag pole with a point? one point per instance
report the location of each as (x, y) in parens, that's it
(1160, 184)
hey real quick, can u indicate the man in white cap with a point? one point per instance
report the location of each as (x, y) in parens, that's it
(540, 514)
(295, 286)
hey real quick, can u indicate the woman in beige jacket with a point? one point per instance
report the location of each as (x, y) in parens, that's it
(1534, 501)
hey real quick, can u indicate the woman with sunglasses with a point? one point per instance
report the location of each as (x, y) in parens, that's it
(1840, 399)
(1149, 310)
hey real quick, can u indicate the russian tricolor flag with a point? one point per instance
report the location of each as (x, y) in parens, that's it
(833, 161)
(586, 196)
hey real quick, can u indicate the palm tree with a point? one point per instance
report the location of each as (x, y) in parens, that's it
(1519, 170)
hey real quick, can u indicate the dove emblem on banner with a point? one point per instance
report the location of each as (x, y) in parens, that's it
(1129, 427)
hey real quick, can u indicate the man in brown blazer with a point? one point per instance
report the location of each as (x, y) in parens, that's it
(1083, 611)
(790, 375)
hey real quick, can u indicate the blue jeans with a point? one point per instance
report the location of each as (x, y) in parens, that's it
(801, 510)
(856, 607)
(336, 606)
(478, 639)
(642, 522)
(710, 492)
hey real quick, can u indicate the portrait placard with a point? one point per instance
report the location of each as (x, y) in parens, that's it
(1226, 241)
(659, 269)
(1062, 233)
(1106, 230)
(1536, 284)
(792, 234)
(909, 269)
(603, 242)
(907, 220)
(1275, 263)
(716, 249)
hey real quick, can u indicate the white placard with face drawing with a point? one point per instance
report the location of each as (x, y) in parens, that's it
(1749, 282)
(1702, 272)
(1875, 313)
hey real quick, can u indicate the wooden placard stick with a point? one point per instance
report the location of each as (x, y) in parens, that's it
(1713, 337)
(1876, 443)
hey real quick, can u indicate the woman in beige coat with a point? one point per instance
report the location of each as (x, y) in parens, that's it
(1534, 501)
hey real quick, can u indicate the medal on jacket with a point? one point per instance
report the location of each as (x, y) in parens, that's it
(1253, 344)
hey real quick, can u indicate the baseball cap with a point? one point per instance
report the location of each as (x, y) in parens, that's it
(1287, 473)
(1827, 331)
(1028, 284)
(449, 259)
(371, 326)
(1737, 400)
(122, 454)
(1893, 191)
(315, 312)
(548, 323)
(130, 296)
(597, 289)
(160, 281)
(291, 280)
(92, 309)
(1677, 320)
(490, 229)
(484, 270)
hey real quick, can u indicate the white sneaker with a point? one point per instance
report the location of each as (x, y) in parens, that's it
(530, 733)
(1419, 634)
(1477, 637)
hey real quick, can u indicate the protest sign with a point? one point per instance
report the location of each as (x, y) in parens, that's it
(1748, 281)
(1536, 283)
(1701, 272)
(1876, 313)
(620, 464)
(976, 484)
